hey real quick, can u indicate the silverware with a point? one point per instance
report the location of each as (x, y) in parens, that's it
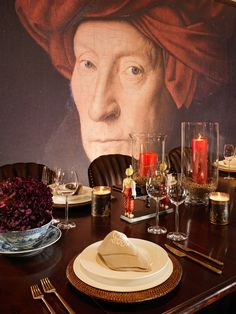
(182, 254)
(117, 188)
(37, 294)
(49, 288)
(187, 249)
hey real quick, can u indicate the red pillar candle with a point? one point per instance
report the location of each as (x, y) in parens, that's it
(147, 161)
(199, 159)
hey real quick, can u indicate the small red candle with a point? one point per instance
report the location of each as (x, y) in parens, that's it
(199, 159)
(147, 161)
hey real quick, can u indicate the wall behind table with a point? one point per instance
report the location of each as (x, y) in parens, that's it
(35, 105)
(33, 99)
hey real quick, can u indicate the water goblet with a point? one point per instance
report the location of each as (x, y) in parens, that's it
(68, 185)
(48, 178)
(45, 178)
(229, 153)
(156, 189)
(177, 194)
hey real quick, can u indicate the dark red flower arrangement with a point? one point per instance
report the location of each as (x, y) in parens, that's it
(25, 203)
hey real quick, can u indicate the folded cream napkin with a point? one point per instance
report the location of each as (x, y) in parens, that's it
(119, 253)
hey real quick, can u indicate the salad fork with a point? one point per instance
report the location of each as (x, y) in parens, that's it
(37, 294)
(49, 288)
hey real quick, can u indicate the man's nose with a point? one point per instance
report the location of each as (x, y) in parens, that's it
(104, 106)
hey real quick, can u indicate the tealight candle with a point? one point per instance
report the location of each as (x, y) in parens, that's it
(219, 208)
(101, 201)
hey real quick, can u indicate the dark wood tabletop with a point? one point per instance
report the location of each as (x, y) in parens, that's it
(198, 288)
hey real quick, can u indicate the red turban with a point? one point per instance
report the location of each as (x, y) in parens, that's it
(193, 36)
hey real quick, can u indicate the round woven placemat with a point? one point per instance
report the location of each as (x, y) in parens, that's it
(127, 297)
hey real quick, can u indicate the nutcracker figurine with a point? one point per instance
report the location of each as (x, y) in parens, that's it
(129, 192)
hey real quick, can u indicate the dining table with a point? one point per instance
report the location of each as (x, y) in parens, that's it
(197, 289)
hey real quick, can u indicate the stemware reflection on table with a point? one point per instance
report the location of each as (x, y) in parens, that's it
(156, 189)
(68, 185)
(229, 153)
(177, 194)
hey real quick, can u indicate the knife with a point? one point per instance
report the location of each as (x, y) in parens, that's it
(186, 249)
(182, 254)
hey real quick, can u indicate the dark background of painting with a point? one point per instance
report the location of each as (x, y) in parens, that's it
(35, 109)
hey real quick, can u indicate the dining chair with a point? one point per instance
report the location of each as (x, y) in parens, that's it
(108, 170)
(174, 156)
(21, 169)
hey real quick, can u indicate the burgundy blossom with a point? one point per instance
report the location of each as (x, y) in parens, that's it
(25, 203)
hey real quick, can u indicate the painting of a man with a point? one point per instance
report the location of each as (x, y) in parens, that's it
(133, 66)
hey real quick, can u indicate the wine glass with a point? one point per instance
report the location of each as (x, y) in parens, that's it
(228, 156)
(177, 195)
(68, 185)
(49, 178)
(156, 189)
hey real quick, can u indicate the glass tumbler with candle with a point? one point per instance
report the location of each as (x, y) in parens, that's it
(199, 160)
(101, 201)
(219, 208)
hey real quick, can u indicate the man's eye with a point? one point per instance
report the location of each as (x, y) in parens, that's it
(135, 70)
(87, 64)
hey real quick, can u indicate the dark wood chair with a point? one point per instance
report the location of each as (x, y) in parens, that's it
(108, 170)
(21, 169)
(174, 157)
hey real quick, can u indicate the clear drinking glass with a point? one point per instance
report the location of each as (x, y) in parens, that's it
(68, 185)
(229, 153)
(48, 178)
(156, 189)
(177, 194)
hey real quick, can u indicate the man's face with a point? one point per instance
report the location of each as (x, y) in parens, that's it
(117, 85)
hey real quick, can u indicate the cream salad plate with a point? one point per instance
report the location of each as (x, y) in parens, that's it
(82, 198)
(224, 165)
(89, 274)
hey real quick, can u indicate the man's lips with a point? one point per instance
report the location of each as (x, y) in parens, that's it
(108, 140)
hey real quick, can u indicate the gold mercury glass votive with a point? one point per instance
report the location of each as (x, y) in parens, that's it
(101, 201)
(219, 208)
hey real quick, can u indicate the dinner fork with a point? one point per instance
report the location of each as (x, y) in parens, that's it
(49, 288)
(37, 294)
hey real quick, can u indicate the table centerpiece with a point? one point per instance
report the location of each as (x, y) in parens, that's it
(25, 211)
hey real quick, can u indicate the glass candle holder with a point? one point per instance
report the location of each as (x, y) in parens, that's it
(101, 201)
(199, 160)
(148, 151)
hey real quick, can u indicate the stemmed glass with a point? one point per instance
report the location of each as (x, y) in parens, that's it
(68, 185)
(156, 189)
(50, 178)
(229, 153)
(177, 195)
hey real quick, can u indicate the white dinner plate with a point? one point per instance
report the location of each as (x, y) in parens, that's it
(83, 197)
(52, 236)
(224, 167)
(89, 268)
